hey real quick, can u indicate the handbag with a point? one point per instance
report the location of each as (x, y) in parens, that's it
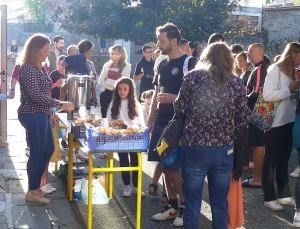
(264, 112)
(170, 139)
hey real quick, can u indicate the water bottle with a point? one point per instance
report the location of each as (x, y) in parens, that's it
(82, 111)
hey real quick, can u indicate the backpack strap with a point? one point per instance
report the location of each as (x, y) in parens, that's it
(257, 79)
(185, 68)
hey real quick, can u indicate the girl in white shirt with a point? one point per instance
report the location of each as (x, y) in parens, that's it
(112, 70)
(125, 106)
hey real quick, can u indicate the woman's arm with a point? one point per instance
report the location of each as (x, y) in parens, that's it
(273, 90)
(126, 70)
(12, 87)
(242, 113)
(103, 77)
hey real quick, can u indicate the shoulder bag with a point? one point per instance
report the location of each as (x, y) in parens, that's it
(264, 112)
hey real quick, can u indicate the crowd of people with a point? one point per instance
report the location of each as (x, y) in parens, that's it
(214, 89)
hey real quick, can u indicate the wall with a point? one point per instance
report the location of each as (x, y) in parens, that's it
(15, 31)
(282, 25)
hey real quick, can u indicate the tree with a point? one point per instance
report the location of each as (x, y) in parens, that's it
(36, 10)
(137, 20)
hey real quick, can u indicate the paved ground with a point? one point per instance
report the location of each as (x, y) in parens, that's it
(120, 212)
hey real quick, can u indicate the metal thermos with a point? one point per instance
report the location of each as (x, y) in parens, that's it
(79, 92)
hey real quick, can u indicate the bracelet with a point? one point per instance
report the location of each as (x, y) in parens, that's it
(12, 89)
(53, 110)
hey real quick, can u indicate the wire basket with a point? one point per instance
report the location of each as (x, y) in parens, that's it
(99, 141)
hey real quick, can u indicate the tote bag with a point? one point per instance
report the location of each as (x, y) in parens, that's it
(264, 112)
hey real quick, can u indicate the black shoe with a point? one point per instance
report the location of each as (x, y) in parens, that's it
(64, 144)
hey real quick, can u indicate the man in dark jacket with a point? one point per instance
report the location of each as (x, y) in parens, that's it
(144, 70)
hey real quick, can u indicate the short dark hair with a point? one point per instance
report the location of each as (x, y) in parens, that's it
(146, 46)
(57, 38)
(215, 37)
(61, 57)
(85, 45)
(171, 30)
(183, 41)
(236, 48)
(192, 45)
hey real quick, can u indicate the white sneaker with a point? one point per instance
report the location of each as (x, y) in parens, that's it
(274, 205)
(167, 213)
(178, 222)
(296, 172)
(46, 189)
(287, 201)
(134, 192)
(27, 151)
(75, 159)
(81, 155)
(296, 221)
(127, 191)
(50, 187)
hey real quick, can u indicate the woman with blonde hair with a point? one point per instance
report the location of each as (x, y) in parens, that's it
(213, 102)
(35, 114)
(112, 70)
(280, 85)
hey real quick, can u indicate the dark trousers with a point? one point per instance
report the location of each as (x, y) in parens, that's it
(279, 144)
(124, 162)
(105, 99)
(297, 194)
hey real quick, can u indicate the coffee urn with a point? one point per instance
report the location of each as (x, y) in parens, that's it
(79, 92)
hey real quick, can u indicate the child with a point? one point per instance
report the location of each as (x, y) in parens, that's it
(146, 97)
(125, 106)
(13, 49)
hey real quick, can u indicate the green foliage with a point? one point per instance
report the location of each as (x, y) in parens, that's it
(297, 3)
(121, 19)
(36, 10)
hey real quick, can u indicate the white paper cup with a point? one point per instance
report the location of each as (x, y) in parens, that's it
(105, 123)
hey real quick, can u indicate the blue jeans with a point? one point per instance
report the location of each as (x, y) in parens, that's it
(216, 163)
(41, 144)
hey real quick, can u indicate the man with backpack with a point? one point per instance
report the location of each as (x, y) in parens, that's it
(167, 83)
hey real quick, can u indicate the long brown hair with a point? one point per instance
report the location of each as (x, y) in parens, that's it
(123, 59)
(32, 48)
(217, 59)
(285, 61)
(115, 110)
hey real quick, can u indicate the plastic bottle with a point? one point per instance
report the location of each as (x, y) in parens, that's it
(82, 111)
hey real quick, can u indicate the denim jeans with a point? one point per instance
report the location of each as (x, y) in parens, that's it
(216, 163)
(41, 144)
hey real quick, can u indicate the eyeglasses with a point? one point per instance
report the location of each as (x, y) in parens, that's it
(149, 52)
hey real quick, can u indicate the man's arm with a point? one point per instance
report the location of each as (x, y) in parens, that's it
(138, 77)
(153, 107)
